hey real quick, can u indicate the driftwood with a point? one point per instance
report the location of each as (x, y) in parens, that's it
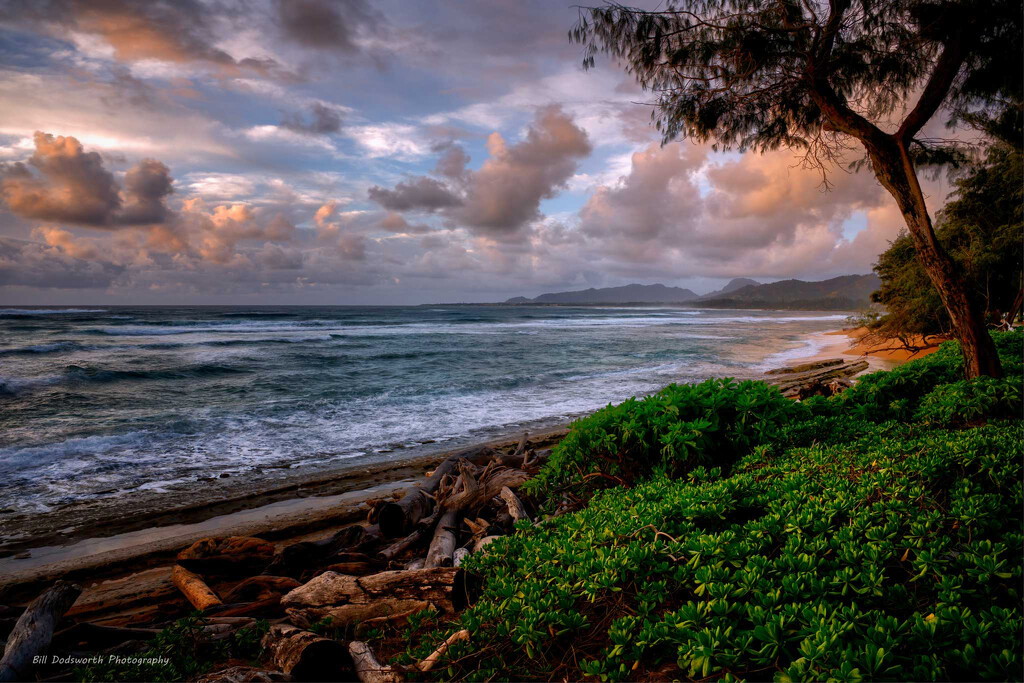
(368, 669)
(515, 506)
(416, 563)
(267, 607)
(34, 630)
(303, 654)
(459, 556)
(243, 674)
(398, 518)
(194, 588)
(801, 381)
(295, 559)
(260, 588)
(348, 599)
(434, 657)
(443, 545)
(475, 493)
(233, 555)
(484, 542)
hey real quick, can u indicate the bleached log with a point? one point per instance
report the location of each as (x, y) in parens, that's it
(416, 563)
(194, 588)
(484, 542)
(303, 654)
(434, 657)
(459, 556)
(368, 669)
(34, 630)
(443, 544)
(348, 599)
(515, 506)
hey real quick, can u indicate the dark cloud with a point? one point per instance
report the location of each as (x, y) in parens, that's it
(322, 121)
(417, 194)
(70, 185)
(31, 264)
(326, 24)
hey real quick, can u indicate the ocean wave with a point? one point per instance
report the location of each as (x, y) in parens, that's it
(17, 312)
(53, 347)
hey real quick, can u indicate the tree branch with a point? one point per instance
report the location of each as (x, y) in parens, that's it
(935, 91)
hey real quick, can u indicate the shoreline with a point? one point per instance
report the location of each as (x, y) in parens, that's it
(294, 506)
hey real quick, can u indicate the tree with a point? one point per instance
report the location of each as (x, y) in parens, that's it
(811, 75)
(982, 229)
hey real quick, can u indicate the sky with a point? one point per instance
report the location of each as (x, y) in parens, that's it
(357, 152)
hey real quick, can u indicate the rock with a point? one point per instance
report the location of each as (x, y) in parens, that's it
(235, 555)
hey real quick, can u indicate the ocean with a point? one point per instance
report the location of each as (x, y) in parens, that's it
(100, 401)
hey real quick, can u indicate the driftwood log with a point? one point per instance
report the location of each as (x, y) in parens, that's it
(98, 637)
(474, 493)
(231, 555)
(349, 599)
(34, 630)
(803, 380)
(459, 556)
(368, 669)
(303, 654)
(295, 559)
(484, 542)
(399, 517)
(260, 588)
(194, 588)
(442, 547)
(515, 506)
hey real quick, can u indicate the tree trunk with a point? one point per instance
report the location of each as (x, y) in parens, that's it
(895, 171)
(304, 655)
(443, 545)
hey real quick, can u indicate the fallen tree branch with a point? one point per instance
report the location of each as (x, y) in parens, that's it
(435, 656)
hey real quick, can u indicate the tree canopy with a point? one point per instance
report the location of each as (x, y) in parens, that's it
(819, 76)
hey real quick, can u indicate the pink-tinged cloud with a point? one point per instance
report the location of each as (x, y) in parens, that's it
(64, 183)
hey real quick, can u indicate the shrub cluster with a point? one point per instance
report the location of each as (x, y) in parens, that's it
(868, 536)
(670, 433)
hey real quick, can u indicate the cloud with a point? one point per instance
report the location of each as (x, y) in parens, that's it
(325, 24)
(31, 264)
(169, 31)
(323, 121)
(73, 186)
(418, 194)
(505, 193)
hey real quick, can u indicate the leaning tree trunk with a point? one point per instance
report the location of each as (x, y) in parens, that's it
(895, 171)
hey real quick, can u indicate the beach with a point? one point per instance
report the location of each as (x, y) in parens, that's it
(121, 558)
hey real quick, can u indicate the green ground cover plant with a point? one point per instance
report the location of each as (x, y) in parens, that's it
(875, 535)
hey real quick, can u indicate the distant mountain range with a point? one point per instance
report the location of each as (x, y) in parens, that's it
(628, 294)
(848, 292)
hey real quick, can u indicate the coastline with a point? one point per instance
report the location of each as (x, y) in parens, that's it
(287, 507)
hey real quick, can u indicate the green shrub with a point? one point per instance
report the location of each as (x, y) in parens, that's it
(972, 401)
(671, 432)
(893, 556)
(896, 394)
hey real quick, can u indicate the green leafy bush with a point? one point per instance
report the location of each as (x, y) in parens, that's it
(670, 432)
(970, 401)
(893, 556)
